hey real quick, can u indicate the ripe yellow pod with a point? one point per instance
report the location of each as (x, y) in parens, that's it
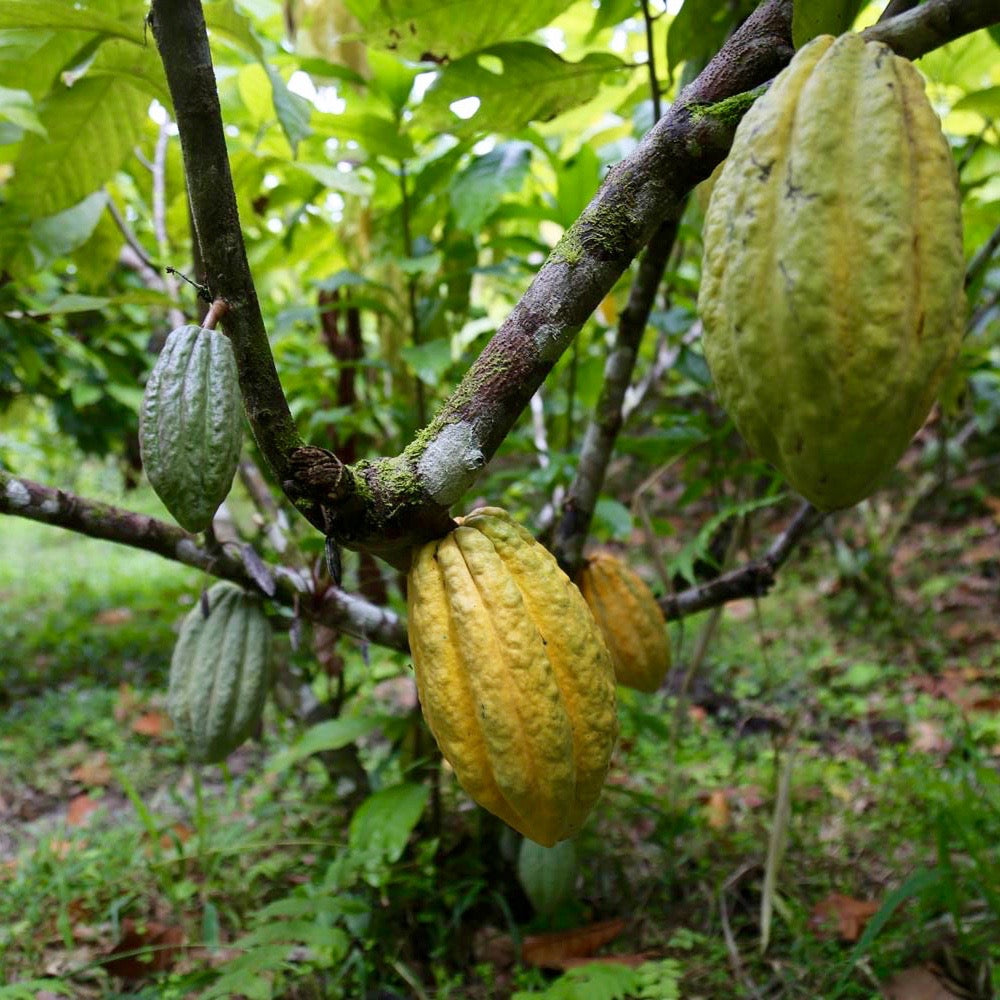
(832, 284)
(630, 621)
(515, 681)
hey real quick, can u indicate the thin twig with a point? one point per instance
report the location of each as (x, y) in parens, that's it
(982, 257)
(411, 289)
(732, 948)
(751, 580)
(654, 82)
(335, 607)
(129, 234)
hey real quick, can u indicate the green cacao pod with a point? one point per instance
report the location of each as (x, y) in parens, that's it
(630, 621)
(190, 425)
(831, 293)
(220, 672)
(515, 681)
(547, 874)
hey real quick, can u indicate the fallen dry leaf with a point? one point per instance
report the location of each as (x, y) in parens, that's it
(917, 984)
(550, 951)
(985, 551)
(62, 849)
(113, 616)
(80, 809)
(717, 810)
(178, 833)
(698, 715)
(153, 724)
(127, 704)
(928, 736)
(842, 914)
(740, 610)
(490, 944)
(94, 771)
(143, 949)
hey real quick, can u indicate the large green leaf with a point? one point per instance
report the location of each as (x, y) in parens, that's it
(292, 111)
(384, 821)
(92, 127)
(441, 30)
(822, 17)
(984, 102)
(515, 83)
(31, 59)
(62, 233)
(69, 17)
(376, 135)
(478, 189)
(140, 66)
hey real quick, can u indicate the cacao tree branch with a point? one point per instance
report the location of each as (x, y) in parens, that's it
(932, 24)
(335, 607)
(754, 579)
(602, 431)
(181, 37)
(896, 7)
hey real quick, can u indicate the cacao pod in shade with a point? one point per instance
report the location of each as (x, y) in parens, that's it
(630, 621)
(220, 672)
(832, 284)
(514, 679)
(190, 424)
(547, 874)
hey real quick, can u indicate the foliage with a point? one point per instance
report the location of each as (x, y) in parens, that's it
(397, 192)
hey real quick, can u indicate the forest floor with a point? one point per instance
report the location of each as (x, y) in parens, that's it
(818, 816)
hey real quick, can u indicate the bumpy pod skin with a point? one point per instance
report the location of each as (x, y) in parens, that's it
(220, 673)
(514, 678)
(190, 425)
(831, 292)
(630, 621)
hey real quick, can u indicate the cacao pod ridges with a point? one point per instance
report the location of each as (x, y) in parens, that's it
(515, 681)
(630, 620)
(190, 425)
(832, 283)
(220, 672)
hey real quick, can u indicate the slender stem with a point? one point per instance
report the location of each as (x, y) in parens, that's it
(411, 288)
(654, 82)
(602, 431)
(983, 256)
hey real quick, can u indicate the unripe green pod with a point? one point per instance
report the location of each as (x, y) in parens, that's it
(547, 874)
(190, 424)
(220, 672)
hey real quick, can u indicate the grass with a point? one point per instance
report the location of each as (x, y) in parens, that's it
(278, 885)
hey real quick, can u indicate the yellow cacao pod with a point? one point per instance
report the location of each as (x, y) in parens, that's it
(831, 292)
(514, 679)
(630, 621)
